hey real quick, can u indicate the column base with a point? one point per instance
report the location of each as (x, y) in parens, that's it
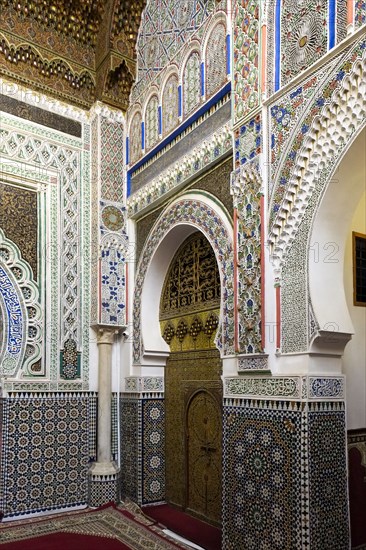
(103, 469)
(104, 484)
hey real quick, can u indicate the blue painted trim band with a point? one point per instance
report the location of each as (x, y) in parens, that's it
(206, 107)
(202, 78)
(128, 183)
(228, 54)
(142, 135)
(179, 100)
(332, 23)
(127, 150)
(160, 118)
(278, 46)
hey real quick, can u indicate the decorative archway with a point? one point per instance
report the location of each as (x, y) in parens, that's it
(189, 309)
(328, 239)
(332, 125)
(21, 315)
(190, 212)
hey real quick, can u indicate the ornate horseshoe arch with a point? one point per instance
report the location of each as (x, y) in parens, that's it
(333, 130)
(21, 315)
(190, 212)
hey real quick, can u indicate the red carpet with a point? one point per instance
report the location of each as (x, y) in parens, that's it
(65, 541)
(192, 529)
(110, 527)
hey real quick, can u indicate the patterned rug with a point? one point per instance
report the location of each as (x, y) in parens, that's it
(109, 527)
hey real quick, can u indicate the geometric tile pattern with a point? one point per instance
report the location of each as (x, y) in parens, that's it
(130, 448)
(103, 489)
(166, 25)
(248, 141)
(92, 424)
(215, 68)
(45, 452)
(285, 475)
(143, 449)
(261, 484)
(328, 478)
(153, 449)
(247, 190)
(114, 424)
(357, 487)
(246, 57)
(360, 13)
(304, 35)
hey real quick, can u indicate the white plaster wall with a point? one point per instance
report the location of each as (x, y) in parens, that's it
(354, 358)
(93, 361)
(328, 239)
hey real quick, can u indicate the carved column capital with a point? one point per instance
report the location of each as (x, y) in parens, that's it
(106, 334)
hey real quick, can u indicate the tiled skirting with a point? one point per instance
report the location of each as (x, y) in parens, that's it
(143, 448)
(104, 489)
(46, 444)
(284, 466)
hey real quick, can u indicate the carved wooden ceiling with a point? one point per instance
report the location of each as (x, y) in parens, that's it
(79, 51)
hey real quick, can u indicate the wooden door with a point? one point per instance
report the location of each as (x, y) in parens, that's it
(204, 456)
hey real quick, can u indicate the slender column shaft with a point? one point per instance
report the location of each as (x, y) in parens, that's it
(105, 343)
(105, 339)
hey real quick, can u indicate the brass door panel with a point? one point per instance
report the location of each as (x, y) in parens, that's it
(189, 318)
(204, 456)
(185, 373)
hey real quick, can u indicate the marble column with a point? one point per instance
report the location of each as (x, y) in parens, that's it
(104, 464)
(104, 486)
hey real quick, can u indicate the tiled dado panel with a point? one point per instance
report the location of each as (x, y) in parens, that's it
(328, 484)
(130, 412)
(261, 482)
(357, 486)
(284, 475)
(143, 449)
(153, 450)
(47, 441)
